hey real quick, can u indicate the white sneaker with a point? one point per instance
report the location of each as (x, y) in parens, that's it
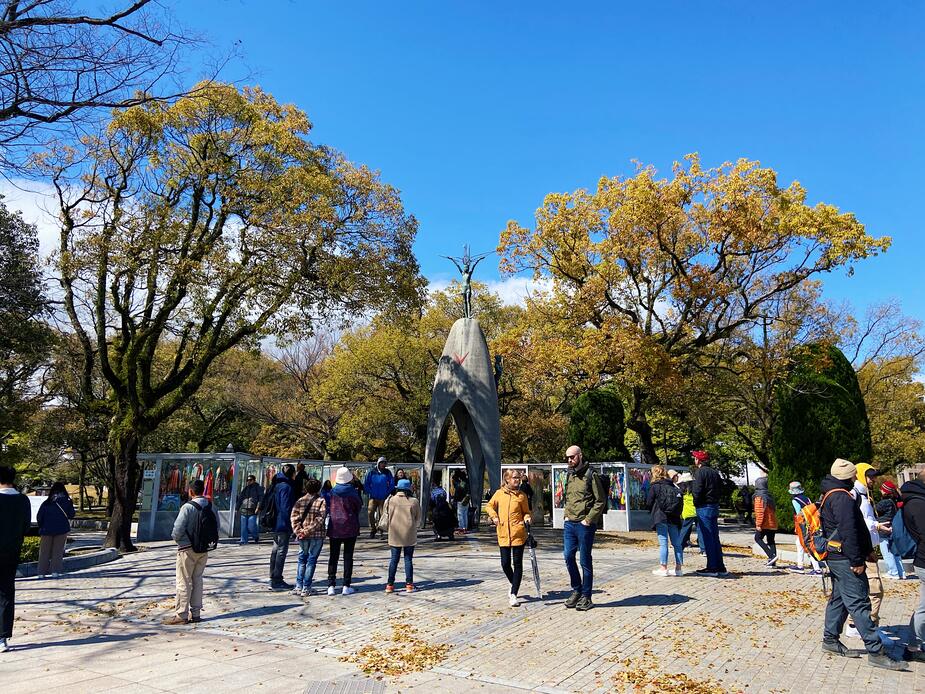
(56, 575)
(772, 561)
(347, 591)
(678, 572)
(305, 592)
(331, 590)
(852, 632)
(514, 600)
(662, 572)
(295, 591)
(4, 646)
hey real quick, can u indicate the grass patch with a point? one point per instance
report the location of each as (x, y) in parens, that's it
(30, 550)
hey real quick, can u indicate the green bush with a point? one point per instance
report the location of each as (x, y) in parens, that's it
(819, 416)
(596, 425)
(30, 550)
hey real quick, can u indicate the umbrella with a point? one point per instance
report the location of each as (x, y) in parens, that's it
(531, 545)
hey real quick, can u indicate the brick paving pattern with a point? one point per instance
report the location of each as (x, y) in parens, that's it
(98, 630)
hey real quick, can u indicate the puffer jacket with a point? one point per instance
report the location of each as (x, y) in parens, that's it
(55, 513)
(344, 512)
(509, 508)
(403, 514)
(765, 515)
(379, 484)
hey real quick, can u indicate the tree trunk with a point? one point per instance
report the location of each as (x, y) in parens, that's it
(638, 423)
(110, 483)
(82, 482)
(126, 488)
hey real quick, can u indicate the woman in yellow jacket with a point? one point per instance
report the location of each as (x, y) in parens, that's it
(509, 510)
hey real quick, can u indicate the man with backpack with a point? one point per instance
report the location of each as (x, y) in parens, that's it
(585, 505)
(911, 519)
(707, 490)
(276, 516)
(849, 546)
(196, 532)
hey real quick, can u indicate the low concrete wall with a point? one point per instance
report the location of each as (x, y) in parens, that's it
(75, 563)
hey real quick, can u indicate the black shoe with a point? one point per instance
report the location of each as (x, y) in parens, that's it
(913, 656)
(706, 572)
(282, 585)
(838, 648)
(372, 534)
(584, 604)
(886, 662)
(573, 599)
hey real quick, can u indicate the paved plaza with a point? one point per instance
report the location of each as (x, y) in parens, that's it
(99, 630)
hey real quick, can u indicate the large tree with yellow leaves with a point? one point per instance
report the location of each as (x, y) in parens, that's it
(649, 276)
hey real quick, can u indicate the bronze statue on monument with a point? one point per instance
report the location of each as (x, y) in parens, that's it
(466, 266)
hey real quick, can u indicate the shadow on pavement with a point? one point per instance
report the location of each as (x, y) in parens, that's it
(655, 600)
(101, 638)
(258, 611)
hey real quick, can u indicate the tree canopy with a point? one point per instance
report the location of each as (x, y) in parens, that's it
(649, 274)
(209, 224)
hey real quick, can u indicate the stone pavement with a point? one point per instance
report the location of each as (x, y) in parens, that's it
(757, 631)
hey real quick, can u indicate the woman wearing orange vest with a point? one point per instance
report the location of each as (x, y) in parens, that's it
(765, 520)
(509, 510)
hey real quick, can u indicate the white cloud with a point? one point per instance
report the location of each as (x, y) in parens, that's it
(34, 200)
(512, 290)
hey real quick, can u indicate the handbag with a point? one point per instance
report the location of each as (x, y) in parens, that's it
(384, 518)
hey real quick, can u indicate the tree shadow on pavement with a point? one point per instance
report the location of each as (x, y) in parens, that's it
(87, 640)
(455, 583)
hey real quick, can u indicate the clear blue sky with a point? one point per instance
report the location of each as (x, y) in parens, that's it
(477, 110)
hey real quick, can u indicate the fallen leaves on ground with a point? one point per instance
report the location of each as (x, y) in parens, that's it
(406, 652)
(639, 676)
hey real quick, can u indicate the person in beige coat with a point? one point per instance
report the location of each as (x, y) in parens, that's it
(400, 517)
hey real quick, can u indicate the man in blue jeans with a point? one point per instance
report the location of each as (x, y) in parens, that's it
(585, 500)
(708, 486)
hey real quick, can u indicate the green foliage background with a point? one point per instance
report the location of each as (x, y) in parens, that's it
(596, 425)
(820, 417)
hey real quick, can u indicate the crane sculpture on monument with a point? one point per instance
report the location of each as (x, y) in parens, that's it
(465, 389)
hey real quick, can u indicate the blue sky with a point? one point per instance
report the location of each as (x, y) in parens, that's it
(477, 110)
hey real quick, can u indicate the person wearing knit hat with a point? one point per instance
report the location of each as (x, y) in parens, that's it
(343, 528)
(886, 508)
(799, 500)
(849, 547)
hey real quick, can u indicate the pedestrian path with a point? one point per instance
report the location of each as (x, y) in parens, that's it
(99, 630)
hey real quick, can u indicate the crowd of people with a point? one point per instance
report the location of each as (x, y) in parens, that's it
(296, 506)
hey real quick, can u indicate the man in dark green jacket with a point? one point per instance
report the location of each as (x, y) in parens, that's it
(585, 500)
(15, 519)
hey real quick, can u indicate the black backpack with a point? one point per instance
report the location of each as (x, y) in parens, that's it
(268, 509)
(204, 536)
(670, 500)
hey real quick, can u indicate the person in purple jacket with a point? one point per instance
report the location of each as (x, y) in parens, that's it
(343, 528)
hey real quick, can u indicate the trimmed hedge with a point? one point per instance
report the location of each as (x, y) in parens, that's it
(820, 416)
(596, 425)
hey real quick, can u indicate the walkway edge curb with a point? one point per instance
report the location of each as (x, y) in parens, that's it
(76, 563)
